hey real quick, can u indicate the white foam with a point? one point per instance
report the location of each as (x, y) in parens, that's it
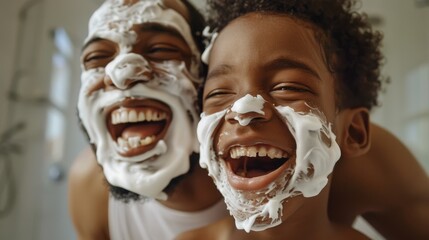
(248, 104)
(212, 36)
(170, 82)
(114, 20)
(249, 207)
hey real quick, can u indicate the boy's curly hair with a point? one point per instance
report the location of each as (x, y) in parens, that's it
(351, 46)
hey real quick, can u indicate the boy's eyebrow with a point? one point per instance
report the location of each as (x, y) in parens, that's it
(219, 70)
(283, 62)
(278, 63)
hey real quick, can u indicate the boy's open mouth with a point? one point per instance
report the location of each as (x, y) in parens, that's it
(251, 168)
(137, 127)
(255, 161)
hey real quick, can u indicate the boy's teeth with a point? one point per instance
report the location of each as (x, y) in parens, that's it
(233, 153)
(254, 151)
(274, 153)
(262, 152)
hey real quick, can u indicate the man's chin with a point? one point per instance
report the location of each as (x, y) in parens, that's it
(126, 196)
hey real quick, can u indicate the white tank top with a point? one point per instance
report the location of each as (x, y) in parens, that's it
(151, 220)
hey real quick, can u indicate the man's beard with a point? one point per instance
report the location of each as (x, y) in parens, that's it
(126, 196)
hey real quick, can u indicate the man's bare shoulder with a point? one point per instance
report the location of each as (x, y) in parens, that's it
(88, 197)
(395, 173)
(387, 186)
(403, 189)
(85, 164)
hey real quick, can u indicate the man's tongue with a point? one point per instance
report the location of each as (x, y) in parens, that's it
(142, 130)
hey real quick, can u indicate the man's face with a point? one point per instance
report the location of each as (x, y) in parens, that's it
(137, 99)
(265, 133)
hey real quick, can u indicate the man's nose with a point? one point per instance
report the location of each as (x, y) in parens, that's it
(126, 70)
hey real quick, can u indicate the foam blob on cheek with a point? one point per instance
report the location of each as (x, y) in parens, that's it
(262, 209)
(87, 104)
(315, 158)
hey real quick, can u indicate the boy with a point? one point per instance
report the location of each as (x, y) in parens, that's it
(310, 56)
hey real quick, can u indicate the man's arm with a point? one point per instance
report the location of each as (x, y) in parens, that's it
(88, 198)
(404, 213)
(387, 186)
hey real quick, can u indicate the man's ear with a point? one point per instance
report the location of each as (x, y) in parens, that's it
(356, 136)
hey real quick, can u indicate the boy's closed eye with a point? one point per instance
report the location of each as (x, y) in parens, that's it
(218, 93)
(285, 87)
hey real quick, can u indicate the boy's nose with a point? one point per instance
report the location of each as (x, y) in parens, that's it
(245, 113)
(245, 119)
(127, 70)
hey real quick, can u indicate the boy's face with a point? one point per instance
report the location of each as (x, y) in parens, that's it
(137, 99)
(269, 105)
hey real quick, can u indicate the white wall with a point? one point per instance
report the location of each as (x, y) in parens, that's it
(40, 206)
(405, 105)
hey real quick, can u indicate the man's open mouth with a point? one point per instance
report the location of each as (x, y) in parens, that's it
(255, 161)
(137, 126)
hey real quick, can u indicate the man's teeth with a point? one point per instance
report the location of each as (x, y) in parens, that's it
(134, 142)
(261, 151)
(130, 116)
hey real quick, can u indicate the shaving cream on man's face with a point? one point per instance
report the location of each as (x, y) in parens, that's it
(304, 172)
(143, 121)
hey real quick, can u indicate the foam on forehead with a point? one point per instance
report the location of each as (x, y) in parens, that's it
(114, 21)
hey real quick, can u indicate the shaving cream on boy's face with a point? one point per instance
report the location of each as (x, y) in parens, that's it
(301, 171)
(143, 120)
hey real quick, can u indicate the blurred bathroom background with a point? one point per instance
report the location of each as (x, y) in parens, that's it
(40, 46)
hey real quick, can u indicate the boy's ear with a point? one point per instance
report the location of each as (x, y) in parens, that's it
(356, 138)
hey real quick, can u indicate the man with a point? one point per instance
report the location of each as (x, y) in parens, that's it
(141, 65)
